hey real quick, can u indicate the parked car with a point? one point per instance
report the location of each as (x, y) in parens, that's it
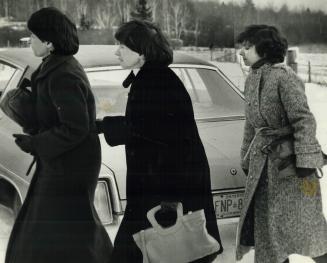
(218, 107)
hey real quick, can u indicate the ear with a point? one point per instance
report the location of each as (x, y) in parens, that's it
(142, 58)
(49, 45)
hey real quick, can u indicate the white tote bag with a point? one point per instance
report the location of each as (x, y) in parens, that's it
(186, 241)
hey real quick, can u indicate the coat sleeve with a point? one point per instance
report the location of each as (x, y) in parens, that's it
(115, 130)
(247, 138)
(160, 116)
(161, 123)
(306, 147)
(69, 99)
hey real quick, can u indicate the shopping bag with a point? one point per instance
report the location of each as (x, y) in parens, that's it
(185, 241)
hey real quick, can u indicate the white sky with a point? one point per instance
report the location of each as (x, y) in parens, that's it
(292, 4)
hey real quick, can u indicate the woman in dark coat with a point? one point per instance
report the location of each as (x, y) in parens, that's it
(58, 221)
(166, 161)
(282, 212)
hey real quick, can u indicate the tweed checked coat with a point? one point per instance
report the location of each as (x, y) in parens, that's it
(291, 218)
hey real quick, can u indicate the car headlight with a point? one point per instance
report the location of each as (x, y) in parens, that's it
(102, 202)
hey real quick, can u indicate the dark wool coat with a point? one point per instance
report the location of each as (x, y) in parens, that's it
(58, 221)
(165, 157)
(282, 213)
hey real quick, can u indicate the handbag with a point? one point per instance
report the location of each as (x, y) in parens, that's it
(187, 240)
(19, 106)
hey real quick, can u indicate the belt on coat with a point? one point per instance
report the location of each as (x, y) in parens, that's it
(266, 132)
(31, 166)
(280, 133)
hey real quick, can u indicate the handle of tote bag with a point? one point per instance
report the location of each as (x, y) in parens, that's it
(150, 215)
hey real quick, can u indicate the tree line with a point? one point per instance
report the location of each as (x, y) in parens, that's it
(197, 23)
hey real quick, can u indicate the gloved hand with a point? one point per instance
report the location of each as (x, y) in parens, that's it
(24, 142)
(167, 215)
(304, 172)
(99, 126)
(324, 157)
(168, 206)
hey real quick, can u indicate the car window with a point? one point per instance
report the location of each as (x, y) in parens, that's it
(110, 95)
(6, 73)
(211, 95)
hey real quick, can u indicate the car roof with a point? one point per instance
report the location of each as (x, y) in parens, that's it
(88, 55)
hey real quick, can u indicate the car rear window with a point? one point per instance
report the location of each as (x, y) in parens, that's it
(211, 94)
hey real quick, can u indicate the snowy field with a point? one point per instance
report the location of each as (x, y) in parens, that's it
(318, 63)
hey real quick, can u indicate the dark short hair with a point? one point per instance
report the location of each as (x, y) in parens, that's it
(49, 24)
(146, 39)
(267, 40)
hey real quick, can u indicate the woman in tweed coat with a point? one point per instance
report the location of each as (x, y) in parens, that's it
(282, 211)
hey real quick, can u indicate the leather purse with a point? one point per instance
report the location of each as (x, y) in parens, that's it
(19, 106)
(186, 241)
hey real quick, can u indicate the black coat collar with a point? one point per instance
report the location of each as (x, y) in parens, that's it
(50, 63)
(148, 66)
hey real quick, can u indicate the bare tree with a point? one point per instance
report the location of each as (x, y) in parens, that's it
(123, 8)
(180, 14)
(155, 5)
(6, 7)
(63, 5)
(142, 11)
(166, 22)
(105, 16)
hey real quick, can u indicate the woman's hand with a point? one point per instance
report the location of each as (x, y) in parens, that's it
(99, 126)
(24, 142)
(168, 206)
(167, 215)
(304, 172)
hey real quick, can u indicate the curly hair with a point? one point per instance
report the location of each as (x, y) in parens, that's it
(49, 24)
(268, 42)
(146, 39)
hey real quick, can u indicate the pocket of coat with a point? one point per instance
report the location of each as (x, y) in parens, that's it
(290, 170)
(286, 166)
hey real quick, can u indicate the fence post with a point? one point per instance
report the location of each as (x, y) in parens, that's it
(309, 72)
(211, 46)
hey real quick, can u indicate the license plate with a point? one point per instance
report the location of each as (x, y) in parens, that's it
(228, 204)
